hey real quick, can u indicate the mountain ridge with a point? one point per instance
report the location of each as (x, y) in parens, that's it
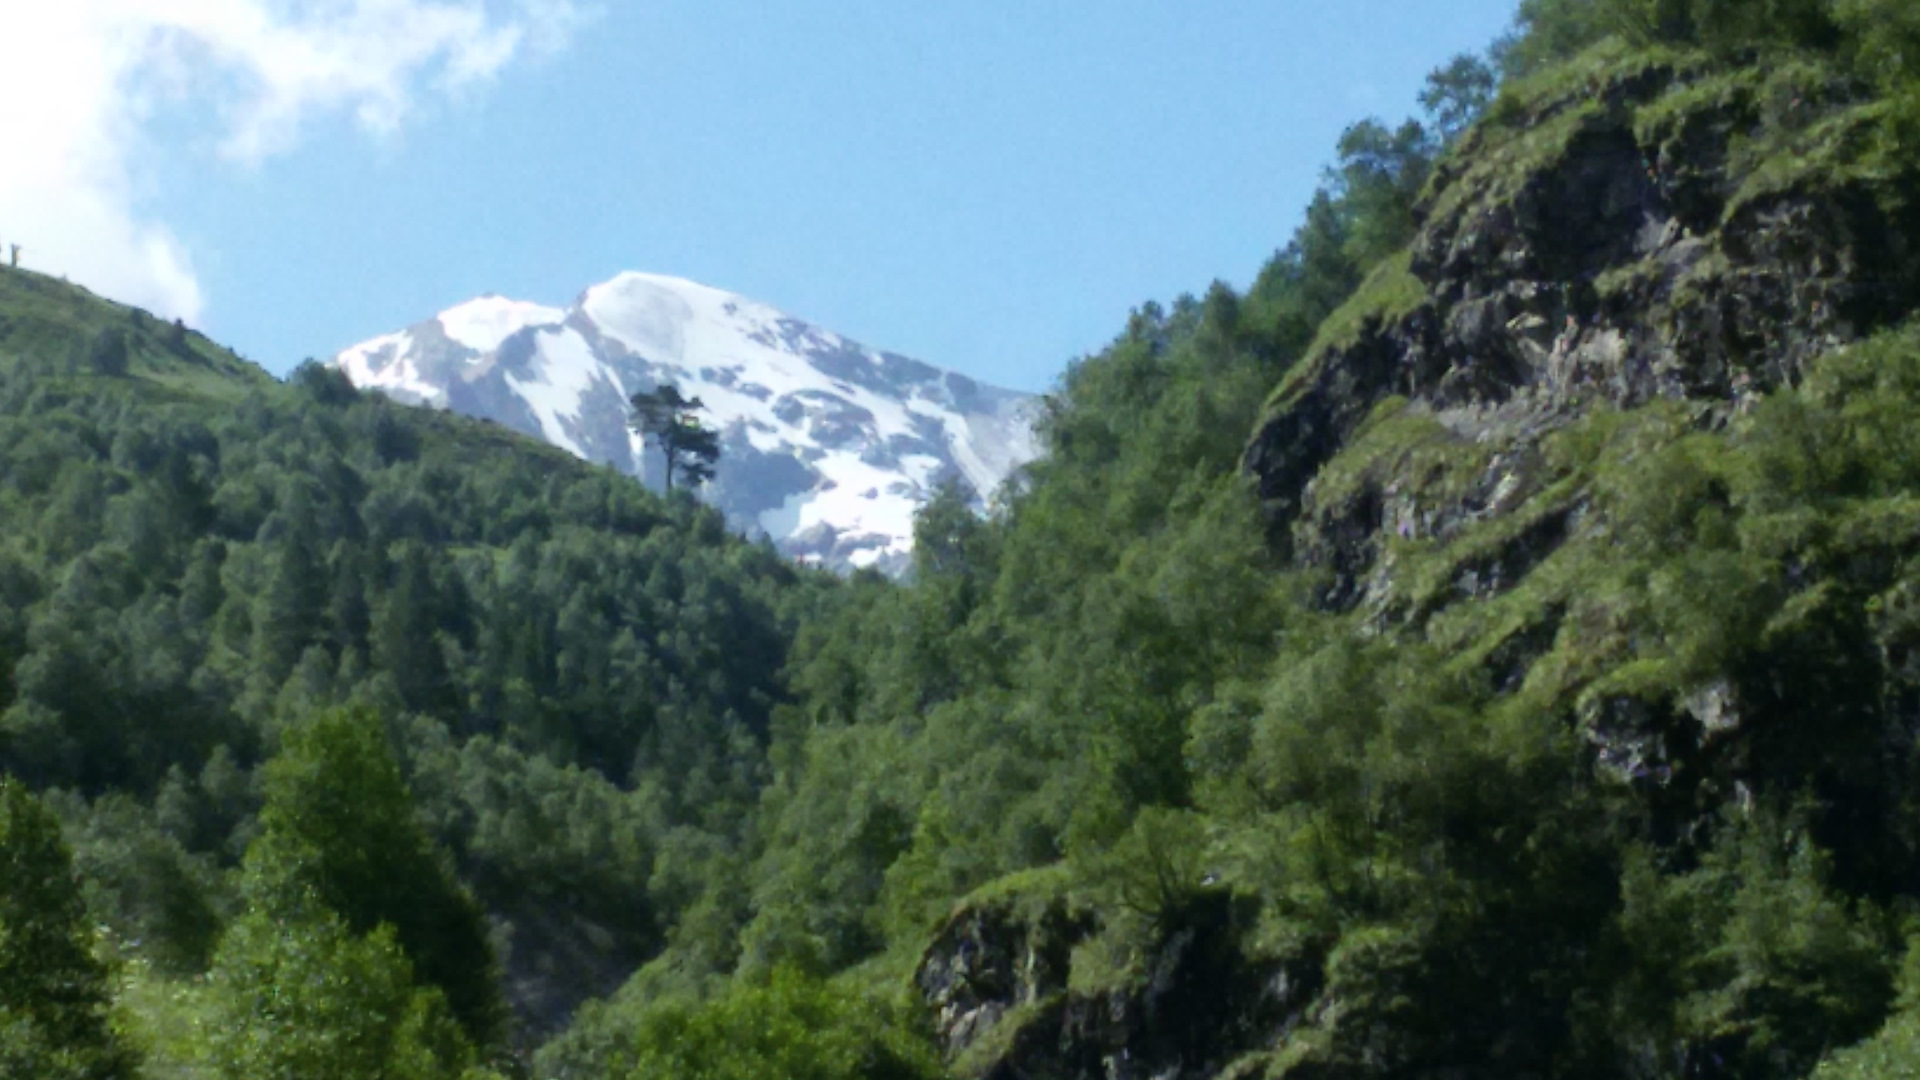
(828, 446)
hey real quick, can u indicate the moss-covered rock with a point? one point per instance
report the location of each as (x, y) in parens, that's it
(1003, 982)
(1633, 226)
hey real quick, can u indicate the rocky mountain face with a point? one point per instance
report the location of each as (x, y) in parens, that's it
(1615, 246)
(1645, 238)
(827, 446)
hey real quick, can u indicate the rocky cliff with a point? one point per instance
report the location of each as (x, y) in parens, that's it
(1645, 229)
(1000, 981)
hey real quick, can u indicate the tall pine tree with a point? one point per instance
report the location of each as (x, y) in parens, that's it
(672, 421)
(55, 999)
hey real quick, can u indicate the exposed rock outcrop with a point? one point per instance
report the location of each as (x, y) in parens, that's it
(1651, 231)
(1007, 1005)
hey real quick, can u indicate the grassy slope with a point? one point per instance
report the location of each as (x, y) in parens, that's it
(49, 322)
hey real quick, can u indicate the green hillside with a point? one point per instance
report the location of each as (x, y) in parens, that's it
(1483, 647)
(577, 676)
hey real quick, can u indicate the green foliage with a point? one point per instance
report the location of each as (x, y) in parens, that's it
(1883, 37)
(358, 954)
(1751, 957)
(295, 993)
(199, 559)
(1527, 813)
(1549, 32)
(819, 884)
(1457, 94)
(1761, 567)
(1155, 870)
(107, 353)
(1729, 26)
(1029, 695)
(55, 1014)
(528, 833)
(158, 898)
(168, 1018)
(1460, 859)
(1377, 181)
(1845, 43)
(672, 420)
(1893, 1053)
(789, 1026)
(338, 826)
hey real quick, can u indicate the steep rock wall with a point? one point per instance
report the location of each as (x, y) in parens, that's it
(1652, 230)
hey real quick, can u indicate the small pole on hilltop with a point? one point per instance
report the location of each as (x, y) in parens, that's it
(16, 256)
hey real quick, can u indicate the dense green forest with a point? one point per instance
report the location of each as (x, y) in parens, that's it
(577, 678)
(1486, 646)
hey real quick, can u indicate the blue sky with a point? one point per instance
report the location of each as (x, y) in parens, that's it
(989, 187)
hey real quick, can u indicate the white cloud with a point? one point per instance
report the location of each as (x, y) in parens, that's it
(83, 81)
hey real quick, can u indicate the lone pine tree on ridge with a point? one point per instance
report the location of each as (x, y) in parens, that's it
(671, 420)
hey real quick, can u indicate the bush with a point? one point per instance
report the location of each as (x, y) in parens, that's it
(792, 1026)
(297, 994)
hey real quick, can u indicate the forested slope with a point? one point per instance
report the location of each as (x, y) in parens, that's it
(1483, 647)
(1477, 649)
(578, 676)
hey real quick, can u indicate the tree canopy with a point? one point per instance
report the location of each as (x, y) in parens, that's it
(672, 421)
(56, 1018)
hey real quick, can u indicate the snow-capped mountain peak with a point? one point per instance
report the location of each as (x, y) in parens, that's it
(827, 446)
(482, 324)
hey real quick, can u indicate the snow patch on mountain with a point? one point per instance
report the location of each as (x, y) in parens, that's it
(565, 375)
(481, 325)
(387, 363)
(828, 446)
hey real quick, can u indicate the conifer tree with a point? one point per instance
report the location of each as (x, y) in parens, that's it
(54, 994)
(405, 637)
(671, 420)
(289, 612)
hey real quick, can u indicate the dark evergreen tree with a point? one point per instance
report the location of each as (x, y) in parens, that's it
(672, 420)
(349, 618)
(406, 636)
(107, 352)
(289, 613)
(55, 996)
